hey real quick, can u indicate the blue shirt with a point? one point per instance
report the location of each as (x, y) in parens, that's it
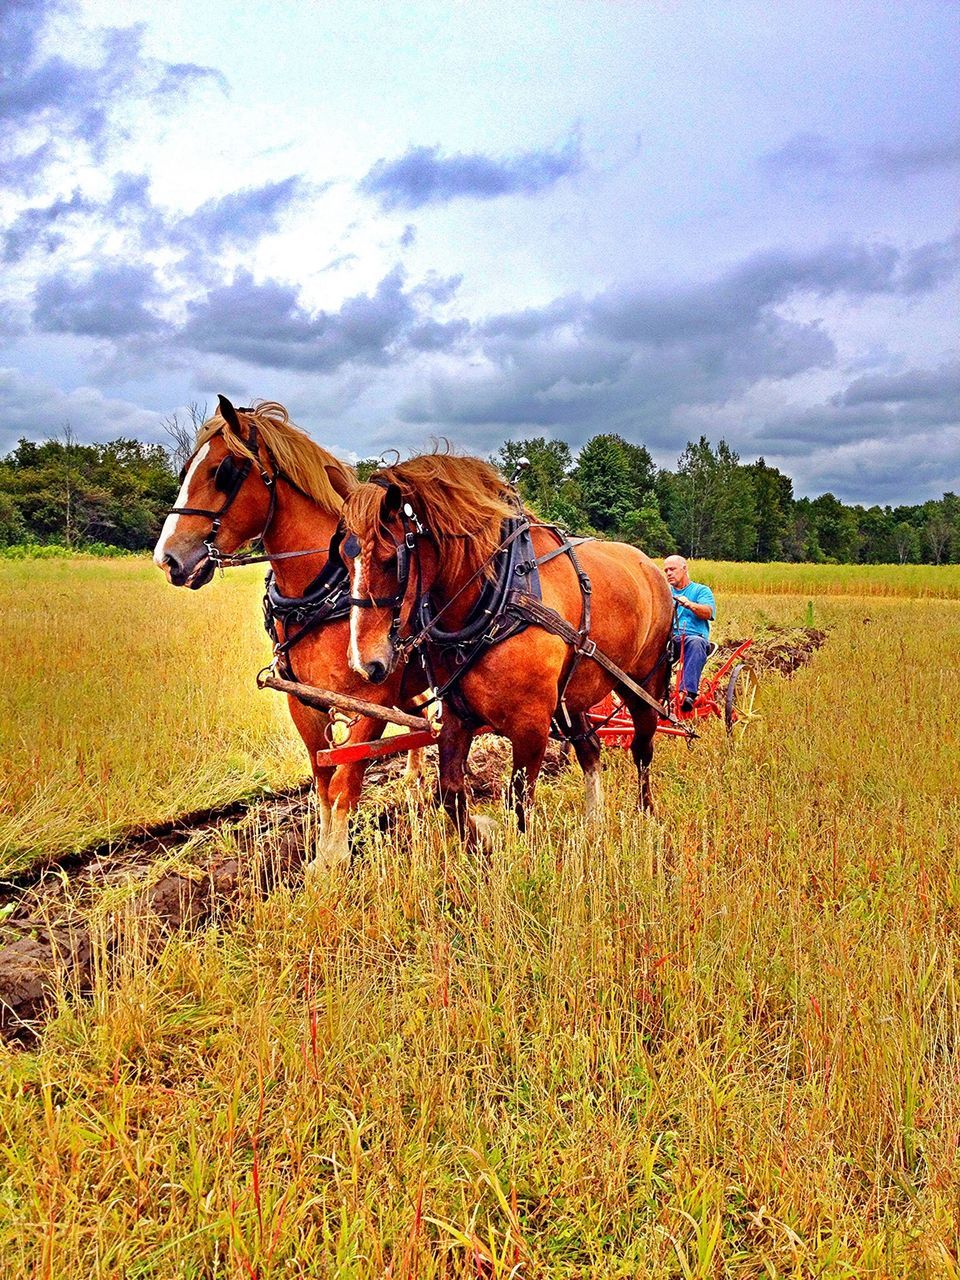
(686, 622)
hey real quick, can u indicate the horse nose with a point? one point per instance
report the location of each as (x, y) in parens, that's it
(174, 569)
(375, 672)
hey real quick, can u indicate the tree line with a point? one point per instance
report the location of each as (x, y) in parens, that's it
(711, 506)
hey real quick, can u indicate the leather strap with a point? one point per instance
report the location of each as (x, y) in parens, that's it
(542, 616)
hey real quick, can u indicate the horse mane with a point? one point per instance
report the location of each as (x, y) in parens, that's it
(305, 462)
(461, 501)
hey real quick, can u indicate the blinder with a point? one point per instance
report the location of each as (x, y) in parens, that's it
(406, 551)
(230, 473)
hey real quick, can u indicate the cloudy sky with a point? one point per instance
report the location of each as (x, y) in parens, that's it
(418, 218)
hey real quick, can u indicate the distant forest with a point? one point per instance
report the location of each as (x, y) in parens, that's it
(712, 505)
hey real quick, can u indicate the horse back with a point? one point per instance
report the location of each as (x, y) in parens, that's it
(631, 605)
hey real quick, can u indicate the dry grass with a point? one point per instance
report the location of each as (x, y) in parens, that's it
(912, 581)
(124, 701)
(721, 1043)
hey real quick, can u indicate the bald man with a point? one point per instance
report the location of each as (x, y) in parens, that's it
(695, 610)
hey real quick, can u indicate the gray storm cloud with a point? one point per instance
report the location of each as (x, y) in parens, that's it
(423, 176)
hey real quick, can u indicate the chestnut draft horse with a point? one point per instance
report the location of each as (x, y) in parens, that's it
(253, 473)
(421, 541)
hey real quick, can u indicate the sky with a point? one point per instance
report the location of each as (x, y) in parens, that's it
(412, 219)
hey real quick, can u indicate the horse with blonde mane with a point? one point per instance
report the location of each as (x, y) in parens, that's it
(254, 474)
(439, 537)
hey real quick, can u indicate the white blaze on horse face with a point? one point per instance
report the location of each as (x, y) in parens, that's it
(170, 524)
(356, 662)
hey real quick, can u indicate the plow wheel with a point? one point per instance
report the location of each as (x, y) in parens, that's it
(741, 694)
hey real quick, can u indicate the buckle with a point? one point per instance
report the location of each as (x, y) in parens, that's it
(409, 512)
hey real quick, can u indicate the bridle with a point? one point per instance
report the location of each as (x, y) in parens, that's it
(229, 478)
(407, 554)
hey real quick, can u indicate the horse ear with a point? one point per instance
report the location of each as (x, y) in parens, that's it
(392, 501)
(340, 481)
(229, 414)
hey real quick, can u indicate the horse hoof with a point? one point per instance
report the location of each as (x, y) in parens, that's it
(484, 833)
(325, 864)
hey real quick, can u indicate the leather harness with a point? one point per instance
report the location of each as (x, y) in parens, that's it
(510, 601)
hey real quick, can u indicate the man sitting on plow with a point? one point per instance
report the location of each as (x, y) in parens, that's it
(695, 610)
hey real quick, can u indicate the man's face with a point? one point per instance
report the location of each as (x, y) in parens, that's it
(676, 572)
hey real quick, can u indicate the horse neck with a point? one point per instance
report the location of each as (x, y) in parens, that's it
(299, 524)
(453, 591)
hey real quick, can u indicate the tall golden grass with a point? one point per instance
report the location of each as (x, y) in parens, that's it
(914, 581)
(723, 1042)
(125, 701)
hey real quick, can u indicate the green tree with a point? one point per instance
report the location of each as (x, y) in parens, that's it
(648, 530)
(773, 504)
(67, 492)
(875, 527)
(713, 510)
(836, 526)
(617, 480)
(800, 541)
(941, 528)
(605, 482)
(12, 527)
(541, 470)
(905, 541)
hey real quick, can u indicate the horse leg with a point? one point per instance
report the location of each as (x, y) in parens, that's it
(311, 725)
(644, 729)
(454, 747)
(344, 795)
(413, 773)
(528, 751)
(586, 746)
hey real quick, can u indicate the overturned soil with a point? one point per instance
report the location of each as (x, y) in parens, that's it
(50, 919)
(778, 649)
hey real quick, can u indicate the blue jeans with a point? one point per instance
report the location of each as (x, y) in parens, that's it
(694, 657)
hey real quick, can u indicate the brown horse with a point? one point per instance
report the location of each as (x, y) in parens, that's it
(426, 530)
(253, 473)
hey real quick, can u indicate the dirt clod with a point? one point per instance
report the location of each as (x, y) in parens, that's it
(783, 650)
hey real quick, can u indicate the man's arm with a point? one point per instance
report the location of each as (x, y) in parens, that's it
(702, 611)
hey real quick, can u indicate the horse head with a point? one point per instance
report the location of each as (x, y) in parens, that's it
(229, 487)
(225, 499)
(380, 543)
(423, 527)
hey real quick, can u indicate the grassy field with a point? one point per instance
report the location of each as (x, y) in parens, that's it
(719, 1043)
(125, 701)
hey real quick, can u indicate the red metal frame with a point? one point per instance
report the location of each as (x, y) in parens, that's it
(352, 751)
(614, 724)
(610, 718)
